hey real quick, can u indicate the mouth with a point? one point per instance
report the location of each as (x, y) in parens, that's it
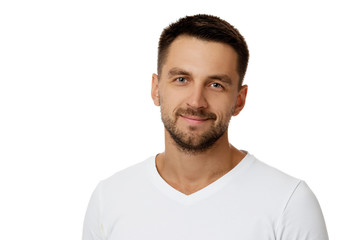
(194, 119)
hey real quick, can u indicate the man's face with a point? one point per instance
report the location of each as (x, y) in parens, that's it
(198, 92)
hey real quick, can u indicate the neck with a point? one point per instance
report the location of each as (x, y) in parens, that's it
(189, 172)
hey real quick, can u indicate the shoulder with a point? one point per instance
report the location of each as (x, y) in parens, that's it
(296, 208)
(262, 181)
(270, 177)
(127, 178)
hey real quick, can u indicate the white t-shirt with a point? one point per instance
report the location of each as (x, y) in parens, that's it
(253, 201)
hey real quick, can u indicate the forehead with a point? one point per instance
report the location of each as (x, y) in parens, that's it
(201, 57)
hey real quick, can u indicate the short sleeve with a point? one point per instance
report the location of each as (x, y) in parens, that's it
(93, 228)
(302, 218)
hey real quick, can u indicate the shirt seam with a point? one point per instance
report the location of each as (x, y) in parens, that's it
(286, 205)
(101, 212)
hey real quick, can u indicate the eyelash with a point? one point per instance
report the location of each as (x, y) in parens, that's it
(219, 85)
(177, 79)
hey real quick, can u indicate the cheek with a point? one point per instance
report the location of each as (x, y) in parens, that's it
(170, 100)
(224, 110)
(168, 105)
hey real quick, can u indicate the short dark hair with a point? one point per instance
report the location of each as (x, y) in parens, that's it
(209, 28)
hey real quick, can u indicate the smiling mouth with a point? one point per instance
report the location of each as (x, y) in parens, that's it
(194, 119)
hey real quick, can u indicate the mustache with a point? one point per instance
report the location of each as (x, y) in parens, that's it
(196, 113)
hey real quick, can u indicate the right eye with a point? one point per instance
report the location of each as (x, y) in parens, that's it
(181, 80)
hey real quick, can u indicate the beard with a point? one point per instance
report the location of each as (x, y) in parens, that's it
(190, 141)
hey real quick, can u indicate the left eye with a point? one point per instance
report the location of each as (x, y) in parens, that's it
(216, 85)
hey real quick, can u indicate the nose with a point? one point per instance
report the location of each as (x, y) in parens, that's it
(197, 98)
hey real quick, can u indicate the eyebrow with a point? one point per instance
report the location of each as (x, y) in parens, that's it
(220, 77)
(178, 71)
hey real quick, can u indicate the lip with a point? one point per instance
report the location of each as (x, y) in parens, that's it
(194, 119)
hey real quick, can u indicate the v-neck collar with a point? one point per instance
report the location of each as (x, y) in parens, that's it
(205, 192)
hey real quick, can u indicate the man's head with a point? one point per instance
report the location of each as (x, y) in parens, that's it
(198, 88)
(208, 28)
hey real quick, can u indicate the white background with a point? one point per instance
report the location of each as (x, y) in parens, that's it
(75, 102)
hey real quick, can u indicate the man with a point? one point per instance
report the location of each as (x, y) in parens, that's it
(201, 187)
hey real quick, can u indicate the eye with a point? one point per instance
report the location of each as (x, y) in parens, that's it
(216, 85)
(181, 80)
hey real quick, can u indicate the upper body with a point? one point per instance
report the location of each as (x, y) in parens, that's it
(201, 65)
(253, 201)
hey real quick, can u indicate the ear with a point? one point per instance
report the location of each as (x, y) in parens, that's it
(155, 89)
(240, 101)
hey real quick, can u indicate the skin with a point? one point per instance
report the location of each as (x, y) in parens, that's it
(201, 76)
